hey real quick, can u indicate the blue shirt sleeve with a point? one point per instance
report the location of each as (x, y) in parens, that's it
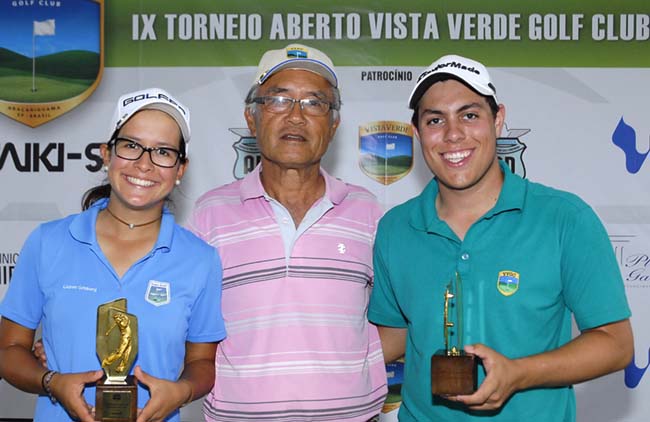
(206, 322)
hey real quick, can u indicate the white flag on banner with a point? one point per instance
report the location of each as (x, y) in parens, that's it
(45, 27)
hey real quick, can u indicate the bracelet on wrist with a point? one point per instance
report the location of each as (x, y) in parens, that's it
(45, 383)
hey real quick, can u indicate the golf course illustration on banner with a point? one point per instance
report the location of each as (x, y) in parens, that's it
(386, 150)
(51, 57)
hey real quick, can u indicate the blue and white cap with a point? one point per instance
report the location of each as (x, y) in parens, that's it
(295, 56)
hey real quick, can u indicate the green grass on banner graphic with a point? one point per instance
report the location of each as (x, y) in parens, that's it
(17, 87)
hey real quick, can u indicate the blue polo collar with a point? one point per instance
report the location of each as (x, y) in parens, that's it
(82, 227)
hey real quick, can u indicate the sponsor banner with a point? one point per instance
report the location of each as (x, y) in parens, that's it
(598, 33)
(624, 137)
(8, 261)
(631, 244)
(15, 231)
(632, 249)
(395, 378)
(575, 111)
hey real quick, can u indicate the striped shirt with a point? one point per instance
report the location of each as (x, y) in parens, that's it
(299, 346)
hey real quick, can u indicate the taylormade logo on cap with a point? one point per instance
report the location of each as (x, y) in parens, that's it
(467, 70)
(444, 65)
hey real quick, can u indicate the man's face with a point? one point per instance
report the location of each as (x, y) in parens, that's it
(293, 139)
(458, 134)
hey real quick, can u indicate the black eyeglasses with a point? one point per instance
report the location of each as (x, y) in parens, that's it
(310, 106)
(128, 149)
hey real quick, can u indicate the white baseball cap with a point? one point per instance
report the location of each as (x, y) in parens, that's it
(467, 70)
(295, 56)
(151, 99)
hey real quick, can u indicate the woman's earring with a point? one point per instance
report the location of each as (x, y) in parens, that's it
(178, 182)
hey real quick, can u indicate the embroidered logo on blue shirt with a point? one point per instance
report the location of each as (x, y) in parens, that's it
(508, 282)
(158, 293)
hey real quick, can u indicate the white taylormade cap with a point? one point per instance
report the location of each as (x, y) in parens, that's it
(295, 56)
(151, 99)
(467, 70)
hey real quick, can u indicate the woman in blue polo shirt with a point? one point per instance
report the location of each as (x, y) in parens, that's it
(124, 245)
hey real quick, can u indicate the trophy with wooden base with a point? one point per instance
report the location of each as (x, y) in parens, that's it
(453, 371)
(116, 398)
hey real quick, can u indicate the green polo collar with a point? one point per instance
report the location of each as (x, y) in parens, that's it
(424, 216)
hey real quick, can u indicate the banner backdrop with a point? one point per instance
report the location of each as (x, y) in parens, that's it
(574, 77)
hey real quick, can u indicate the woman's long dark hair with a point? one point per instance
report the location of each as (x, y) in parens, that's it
(96, 193)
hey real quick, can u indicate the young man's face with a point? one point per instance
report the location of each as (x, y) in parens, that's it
(458, 132)
(293, 139)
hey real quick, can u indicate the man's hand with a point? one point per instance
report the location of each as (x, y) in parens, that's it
(502, 377)
(594, 353)
(166, 396)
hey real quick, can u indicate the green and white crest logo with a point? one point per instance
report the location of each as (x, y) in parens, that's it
(51, 57)
(386, 150)
(508, 282)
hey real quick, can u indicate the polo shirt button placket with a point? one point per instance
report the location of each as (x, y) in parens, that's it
(463, 262)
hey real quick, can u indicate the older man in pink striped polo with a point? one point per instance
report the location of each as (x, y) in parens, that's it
(296, 247)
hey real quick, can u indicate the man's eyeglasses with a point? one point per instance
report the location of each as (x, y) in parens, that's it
(131, 150)
(310, 106)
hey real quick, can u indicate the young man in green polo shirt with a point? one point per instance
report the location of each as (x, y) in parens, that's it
(527, 257)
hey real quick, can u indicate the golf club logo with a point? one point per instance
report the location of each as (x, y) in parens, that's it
(510, 150)
(51, 57)
(248, 153)
(386, 150)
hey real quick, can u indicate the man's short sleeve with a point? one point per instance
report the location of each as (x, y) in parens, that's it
(384, 307)
(592, 283)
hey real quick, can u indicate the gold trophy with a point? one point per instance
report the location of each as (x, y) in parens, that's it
(116, 398)
(453, 371)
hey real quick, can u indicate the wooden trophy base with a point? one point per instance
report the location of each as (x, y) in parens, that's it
(116, 402)
(453, 375)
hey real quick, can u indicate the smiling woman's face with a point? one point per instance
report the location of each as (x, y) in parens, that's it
(140, 184)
